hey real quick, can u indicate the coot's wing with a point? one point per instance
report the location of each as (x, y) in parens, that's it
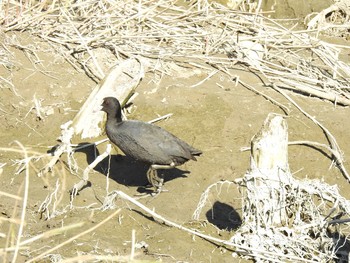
(153, 144)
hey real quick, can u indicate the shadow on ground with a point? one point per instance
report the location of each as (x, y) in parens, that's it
(125, 170)
(224, 216)
(341, 246)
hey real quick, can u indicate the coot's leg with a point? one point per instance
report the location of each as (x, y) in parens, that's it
(155, 180)
(163, 166)
(152, 175)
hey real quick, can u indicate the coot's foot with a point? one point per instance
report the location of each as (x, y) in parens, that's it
(155, 180)
(149, 193)
(154, 189)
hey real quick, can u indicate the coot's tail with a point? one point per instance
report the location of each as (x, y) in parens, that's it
(194, 152)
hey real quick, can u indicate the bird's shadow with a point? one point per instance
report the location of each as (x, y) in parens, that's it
(125, 170)
(224, 216)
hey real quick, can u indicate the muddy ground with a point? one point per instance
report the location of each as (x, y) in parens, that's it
(217, 117)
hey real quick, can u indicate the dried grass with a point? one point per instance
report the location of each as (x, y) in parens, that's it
(333, 20)
(283, 218)
(198, 34)
(15, 241)
(307, 235)
(206, 36)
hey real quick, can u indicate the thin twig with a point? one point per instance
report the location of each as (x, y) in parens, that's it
(167, 222)
(334, 145)
(74, 237)
(24, 207)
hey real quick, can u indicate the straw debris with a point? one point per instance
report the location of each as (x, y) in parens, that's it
(195, 34)
(285, 219)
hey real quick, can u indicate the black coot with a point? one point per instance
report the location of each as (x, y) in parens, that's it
(146, 142)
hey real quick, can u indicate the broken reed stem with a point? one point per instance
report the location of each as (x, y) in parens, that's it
(78, 186)
(333, 142)
(24, 206)
(73, 238)
(94, 258)
(88, 49)
(204, 197)
(285, 109)
(45, 235)
(164, 117)
(243, 249)
(163, 30)
(133, 240)
(317, 144)
(11, 196)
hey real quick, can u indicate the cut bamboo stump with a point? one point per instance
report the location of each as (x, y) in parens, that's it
(268, 168)
(284, 219)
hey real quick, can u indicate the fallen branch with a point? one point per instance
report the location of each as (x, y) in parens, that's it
(240, 248)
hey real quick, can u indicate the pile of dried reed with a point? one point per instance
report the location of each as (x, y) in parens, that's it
(93, 35)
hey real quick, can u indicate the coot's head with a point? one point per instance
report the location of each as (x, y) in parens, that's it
(111, 106)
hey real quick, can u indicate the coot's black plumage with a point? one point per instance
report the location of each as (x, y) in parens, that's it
(146, 142)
